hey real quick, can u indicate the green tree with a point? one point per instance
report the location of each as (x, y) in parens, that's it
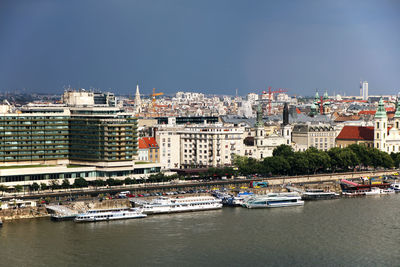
(3, 188)
(276, 165)
(362, 154)
(34, 187)
(284, 151)
(80, 182)
(387, 161)
(98, 183)
(317, 160)
(65, 184)
(18, 188)
(299, 163)
(376, 157)
(348, 158)
(334, 154)
(396, 159)
(54, 185)
(44, 186)
(128, 181)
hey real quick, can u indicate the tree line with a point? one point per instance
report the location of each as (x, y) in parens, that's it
(285, 161)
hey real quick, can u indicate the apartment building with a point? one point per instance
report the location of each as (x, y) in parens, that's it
(320, 136)
(201, 146)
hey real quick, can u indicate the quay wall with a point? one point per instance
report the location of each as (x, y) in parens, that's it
(324, 177)
(23, 213)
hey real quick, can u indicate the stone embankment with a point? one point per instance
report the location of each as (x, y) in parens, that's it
(23, 213)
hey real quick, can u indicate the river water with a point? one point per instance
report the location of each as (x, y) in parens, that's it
(344, 232)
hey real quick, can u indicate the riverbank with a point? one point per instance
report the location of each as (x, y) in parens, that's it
(184, 184)
(90, 199)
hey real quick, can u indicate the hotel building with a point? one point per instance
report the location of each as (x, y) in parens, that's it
(71, 140)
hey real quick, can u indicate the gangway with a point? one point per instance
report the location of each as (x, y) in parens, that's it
(61, 210)
(294, 189)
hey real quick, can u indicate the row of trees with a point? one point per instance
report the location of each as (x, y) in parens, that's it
(287, 162)
(211, 173)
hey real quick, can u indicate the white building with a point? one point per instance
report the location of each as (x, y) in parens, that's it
(170, 144)
(365, 90)
(200, 146)
(320, 136)
(246, 110)
(252, 97)
(384, 139)
(264, 144)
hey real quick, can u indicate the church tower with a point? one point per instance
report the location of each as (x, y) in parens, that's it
(286, 128)
(259, 127)
(397, 117)
(380, 127)
(138, 101)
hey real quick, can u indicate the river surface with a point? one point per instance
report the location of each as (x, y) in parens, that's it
(344, 232)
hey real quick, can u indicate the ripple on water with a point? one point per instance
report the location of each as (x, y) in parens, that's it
(344, 232)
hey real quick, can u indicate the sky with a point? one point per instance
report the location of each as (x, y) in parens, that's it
(213, 47)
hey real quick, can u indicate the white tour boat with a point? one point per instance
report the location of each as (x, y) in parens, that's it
(109, 214)
(379, 191)
(170, 205)
(273, 200)
(395, 187)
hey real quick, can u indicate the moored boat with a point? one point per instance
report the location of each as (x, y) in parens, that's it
(62, 217)
(273, 200)
(109, 214)
(317, 194)
(395, 187)
(171, 205)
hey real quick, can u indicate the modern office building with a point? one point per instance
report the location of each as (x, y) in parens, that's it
(365, 90)
(75, 139)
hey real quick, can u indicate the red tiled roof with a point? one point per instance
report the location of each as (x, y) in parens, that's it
(142, 144)
(147, 142)
(357, 133)
(372, 112)
(367, 112)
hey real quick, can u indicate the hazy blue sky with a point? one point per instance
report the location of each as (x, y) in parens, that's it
(208, 46)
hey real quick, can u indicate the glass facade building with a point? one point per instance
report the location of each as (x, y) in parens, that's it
(78, 134)
(33, 138)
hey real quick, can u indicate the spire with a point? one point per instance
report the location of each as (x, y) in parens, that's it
(285, 114)
(259, 122)
(138, 101)
(381, 112)
(326, 96)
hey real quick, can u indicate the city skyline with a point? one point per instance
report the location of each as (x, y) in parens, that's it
(212, 48)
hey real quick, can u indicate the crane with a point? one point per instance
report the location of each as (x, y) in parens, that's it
(153, 100)
(270, 92)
